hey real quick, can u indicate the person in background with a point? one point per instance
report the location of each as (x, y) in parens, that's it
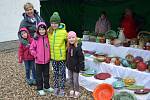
(40, 49)
(75, 63)
(131, 23)
(25, 56)
(30, 21)
(57, 35)
(103, 24)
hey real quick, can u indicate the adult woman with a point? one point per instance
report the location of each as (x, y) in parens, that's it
(30, 21)
(103, 24)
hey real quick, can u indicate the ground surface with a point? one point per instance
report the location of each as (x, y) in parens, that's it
(12, 81)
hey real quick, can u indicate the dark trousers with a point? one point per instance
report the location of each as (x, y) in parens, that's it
(30, 66)
(42, 72)
(59, 74)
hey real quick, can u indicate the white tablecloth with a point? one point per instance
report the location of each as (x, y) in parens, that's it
(142, 78)
(90, 83)
(116, 51)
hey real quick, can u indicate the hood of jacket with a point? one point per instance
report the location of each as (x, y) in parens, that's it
(62, 26)
(24, 41)
(23, 29)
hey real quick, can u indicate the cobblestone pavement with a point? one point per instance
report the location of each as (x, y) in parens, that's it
(12, 81)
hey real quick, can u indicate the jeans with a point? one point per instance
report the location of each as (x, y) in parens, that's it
(30, 66)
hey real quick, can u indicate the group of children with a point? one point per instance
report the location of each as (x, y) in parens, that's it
(52, 44)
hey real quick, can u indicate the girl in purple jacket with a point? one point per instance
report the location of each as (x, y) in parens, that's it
(40, 49)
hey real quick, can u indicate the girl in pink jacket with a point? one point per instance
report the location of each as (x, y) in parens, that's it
(40, 49)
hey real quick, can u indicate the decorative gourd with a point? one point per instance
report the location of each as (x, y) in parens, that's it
(129, 81)
(133, 65)
(125, 63)
(138, 59)
(141, 66)
(129, 58)
(117, 61)
(107, 60)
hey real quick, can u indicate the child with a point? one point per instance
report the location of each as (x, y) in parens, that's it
(40, 49)
(57, 37)
(25, 55)
(75, 63)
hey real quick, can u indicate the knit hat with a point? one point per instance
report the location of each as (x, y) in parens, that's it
(71, 34)
(23, 41)
(55, 17)
(42, 25)
(23, 29)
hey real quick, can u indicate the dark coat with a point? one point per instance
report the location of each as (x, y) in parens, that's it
(30, 24)
(75, 62)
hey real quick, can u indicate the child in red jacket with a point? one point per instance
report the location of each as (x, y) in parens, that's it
(25, 56)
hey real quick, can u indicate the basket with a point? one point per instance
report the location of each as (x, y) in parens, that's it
(144, 35)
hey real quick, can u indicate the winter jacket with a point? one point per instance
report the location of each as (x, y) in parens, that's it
(102, 26)
(23, 50)
(75, 62)
(130, 27)
(30, 23)
(40, 49)
(58, 43)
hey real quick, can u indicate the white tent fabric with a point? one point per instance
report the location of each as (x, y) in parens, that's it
(11, 16)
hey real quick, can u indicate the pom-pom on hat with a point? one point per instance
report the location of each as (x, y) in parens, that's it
(55, 17)
(71, 34)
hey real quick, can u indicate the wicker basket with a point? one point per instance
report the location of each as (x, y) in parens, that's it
(143, 37)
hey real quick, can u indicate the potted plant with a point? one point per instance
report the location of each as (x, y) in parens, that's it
(101, 37)
(111, 35)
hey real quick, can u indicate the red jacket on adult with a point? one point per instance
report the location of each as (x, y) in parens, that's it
(130, 28)
(23, 50)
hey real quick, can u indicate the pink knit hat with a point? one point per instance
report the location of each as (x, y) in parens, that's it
(71, 34)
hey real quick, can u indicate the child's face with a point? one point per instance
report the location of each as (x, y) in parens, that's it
(54, 25)
(24, 34)
(29, 11)
(72, 39)
(42, 31)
